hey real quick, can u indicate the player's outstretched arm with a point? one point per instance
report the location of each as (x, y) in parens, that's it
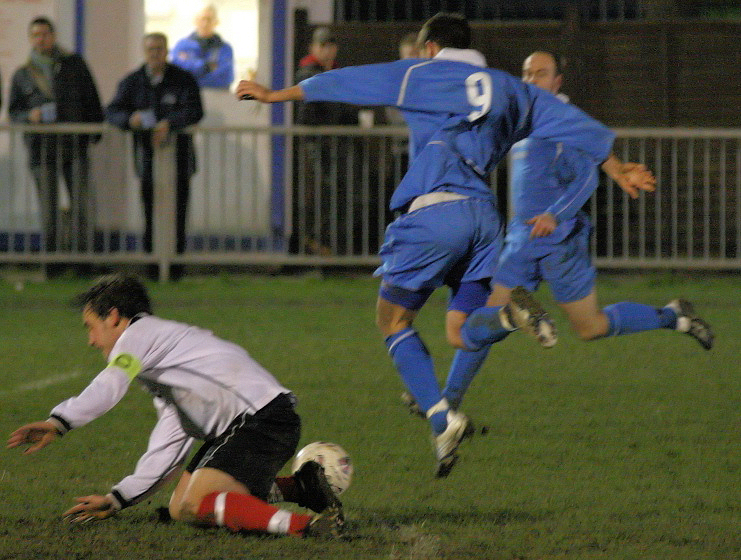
(247, 89)
(89, 508)
(631, 177)
(40, 434)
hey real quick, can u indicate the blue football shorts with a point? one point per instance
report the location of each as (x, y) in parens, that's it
(566, 266)
(442, 244)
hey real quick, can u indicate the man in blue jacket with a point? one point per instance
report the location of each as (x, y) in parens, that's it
(156, 102)
(204, 53)
(463, 118)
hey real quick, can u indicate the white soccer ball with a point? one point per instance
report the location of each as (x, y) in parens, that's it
(338, 467)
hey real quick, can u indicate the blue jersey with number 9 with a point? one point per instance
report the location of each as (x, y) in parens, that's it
(462, 119)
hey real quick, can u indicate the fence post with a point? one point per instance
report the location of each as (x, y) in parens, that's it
(163, 210)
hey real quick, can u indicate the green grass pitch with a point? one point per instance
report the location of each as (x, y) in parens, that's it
(628, 447)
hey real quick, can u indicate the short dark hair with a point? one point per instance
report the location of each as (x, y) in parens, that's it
(41, 20)
(447, 30)
(124, 292)
(157, 35)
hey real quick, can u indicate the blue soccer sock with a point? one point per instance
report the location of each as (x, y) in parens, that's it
(483, 328)
(627, 317)
(414, 364)
(464, 368)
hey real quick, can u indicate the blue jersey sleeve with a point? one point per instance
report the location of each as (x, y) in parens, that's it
(552, 119)
(371, 84)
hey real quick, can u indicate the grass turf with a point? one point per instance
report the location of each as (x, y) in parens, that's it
(620, 448)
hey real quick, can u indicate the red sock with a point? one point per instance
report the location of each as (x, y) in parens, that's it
(244, 512)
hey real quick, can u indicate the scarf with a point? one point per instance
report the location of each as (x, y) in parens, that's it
(41, 68)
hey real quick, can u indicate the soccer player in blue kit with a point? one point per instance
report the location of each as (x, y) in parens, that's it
(463, 118)
(548, 240)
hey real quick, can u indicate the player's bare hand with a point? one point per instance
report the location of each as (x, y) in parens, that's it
(247, 89)
(36, 434)
(631, 177)
(634, 177)
(90, 508)
(543, 224)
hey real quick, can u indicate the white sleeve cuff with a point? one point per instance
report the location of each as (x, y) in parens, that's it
(116, 504)
(61, 428)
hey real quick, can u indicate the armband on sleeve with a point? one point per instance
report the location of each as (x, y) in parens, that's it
(128, 363)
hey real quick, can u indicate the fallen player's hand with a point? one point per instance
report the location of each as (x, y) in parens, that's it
(39, 433)
(90, 508)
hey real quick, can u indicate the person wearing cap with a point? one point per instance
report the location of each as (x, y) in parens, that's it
(322, 57)
(307, 234)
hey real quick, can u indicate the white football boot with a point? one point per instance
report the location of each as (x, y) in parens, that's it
(525, 312)
(446, 443)
(689, 323)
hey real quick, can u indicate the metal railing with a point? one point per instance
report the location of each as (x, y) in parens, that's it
(693, 220)
(330, 204)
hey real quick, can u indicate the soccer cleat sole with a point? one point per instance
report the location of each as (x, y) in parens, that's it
(330, 524)
(411, 404)
(525, 312)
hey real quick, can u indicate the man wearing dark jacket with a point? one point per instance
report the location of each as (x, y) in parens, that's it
(156, 101)
(55, 86)
(317, 160)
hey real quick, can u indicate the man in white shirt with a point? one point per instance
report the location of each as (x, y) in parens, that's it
(204, 388)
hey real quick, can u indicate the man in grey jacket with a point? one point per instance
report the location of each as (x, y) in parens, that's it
(55, 86)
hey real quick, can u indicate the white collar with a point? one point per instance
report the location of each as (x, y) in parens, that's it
(469, 56)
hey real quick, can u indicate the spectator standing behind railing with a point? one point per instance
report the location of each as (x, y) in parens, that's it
(155, 102)
(204, 53)
(407, 49)
(55, 86)
(315, 150)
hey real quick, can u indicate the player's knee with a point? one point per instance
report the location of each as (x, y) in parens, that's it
(184, 511)
(590, 331)
(174, 511)
(454, 338)
(388, 326)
